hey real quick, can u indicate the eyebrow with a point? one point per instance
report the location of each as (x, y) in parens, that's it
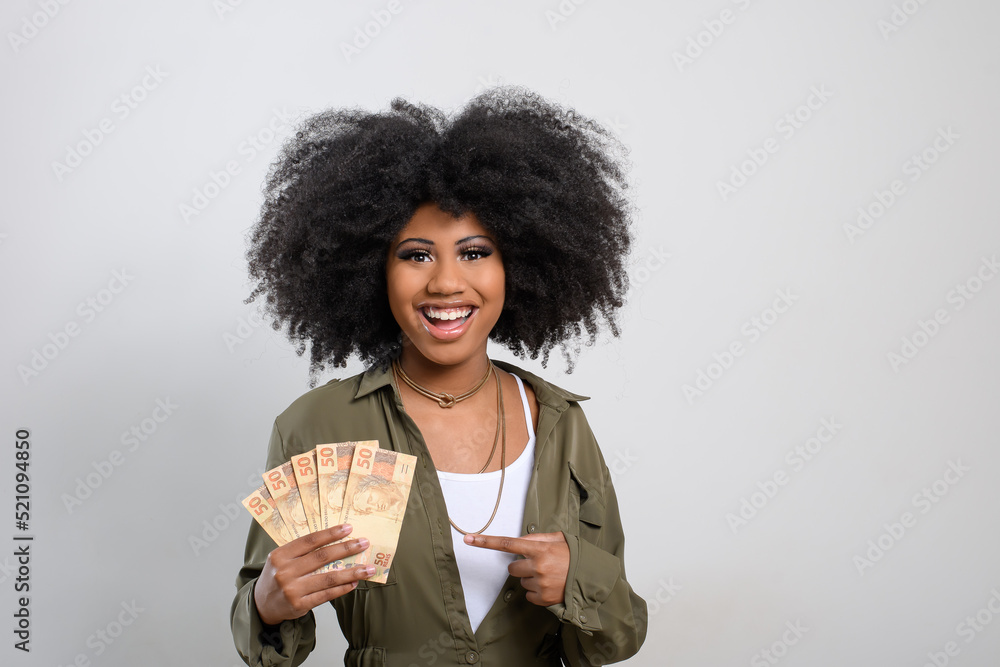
(458, 242)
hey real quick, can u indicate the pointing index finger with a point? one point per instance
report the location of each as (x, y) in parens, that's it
(512, 545)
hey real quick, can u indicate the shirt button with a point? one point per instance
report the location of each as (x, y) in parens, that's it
(472, 657)
(583, 617)
(532, 527)
(507, 596)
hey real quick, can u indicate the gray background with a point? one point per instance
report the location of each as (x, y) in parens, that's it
(719, 592)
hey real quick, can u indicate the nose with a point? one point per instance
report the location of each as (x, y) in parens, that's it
(446, 277)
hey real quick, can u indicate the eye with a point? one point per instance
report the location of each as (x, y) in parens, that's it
(410, 254)
(479, 252)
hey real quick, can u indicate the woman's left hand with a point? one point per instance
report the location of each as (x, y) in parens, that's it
(545, 565)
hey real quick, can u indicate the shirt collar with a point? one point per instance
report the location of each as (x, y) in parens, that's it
(546, 392)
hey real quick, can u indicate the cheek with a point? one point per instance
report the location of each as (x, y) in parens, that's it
(500, 283)
(396, 292)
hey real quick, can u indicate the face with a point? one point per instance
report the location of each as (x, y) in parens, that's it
(445, 280)
(377, 499)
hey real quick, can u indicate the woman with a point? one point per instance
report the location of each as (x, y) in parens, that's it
(410, 239)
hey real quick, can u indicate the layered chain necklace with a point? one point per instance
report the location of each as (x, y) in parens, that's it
(446, 400)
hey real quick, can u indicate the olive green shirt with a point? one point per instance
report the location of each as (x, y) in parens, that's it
(419, 616)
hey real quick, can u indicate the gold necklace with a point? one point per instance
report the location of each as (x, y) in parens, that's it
(501, 431)
(444, 399)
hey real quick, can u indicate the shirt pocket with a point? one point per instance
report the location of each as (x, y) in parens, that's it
(369, 656)
(587, 502)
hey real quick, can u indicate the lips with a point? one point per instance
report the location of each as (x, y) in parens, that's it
(447, 329)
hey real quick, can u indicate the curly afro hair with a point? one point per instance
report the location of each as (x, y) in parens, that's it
(548, 183)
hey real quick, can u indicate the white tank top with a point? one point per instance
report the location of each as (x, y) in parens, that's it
(470, 499)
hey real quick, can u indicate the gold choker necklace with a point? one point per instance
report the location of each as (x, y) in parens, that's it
(444, 399)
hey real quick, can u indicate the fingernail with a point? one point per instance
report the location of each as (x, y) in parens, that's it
(346, 528)
(370, 570)
(469, 539)
(363, 543)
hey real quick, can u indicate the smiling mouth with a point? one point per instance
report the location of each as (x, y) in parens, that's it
(450, 319)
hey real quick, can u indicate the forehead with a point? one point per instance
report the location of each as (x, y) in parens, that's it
(431, 223)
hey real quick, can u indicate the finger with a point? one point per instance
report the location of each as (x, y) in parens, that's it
(512, 545)
(523, 567)
(531, 585)
(303, 545)
(544, 537)
(536, 598)
(327, 586)
(328, 554)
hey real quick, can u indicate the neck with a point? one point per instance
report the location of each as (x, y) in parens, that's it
(454, 379)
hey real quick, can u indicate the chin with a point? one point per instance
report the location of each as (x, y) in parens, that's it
(450, 357)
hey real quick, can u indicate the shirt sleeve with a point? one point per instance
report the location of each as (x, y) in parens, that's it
(604, 620)
(284, 645)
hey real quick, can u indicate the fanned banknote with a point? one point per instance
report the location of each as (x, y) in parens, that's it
(304, 467)
(280, 482)
(378, 488)
(333, 463)
(261, 508)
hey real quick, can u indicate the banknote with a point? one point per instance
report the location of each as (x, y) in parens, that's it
(261, 508)
(280, 482)
(304, 466)
(333, 463)
(378, 488)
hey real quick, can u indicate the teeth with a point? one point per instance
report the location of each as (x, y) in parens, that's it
(448, 313)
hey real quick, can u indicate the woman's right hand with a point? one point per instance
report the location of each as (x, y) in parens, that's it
(288, 586)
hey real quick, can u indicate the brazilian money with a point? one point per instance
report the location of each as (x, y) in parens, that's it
(346, 482)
